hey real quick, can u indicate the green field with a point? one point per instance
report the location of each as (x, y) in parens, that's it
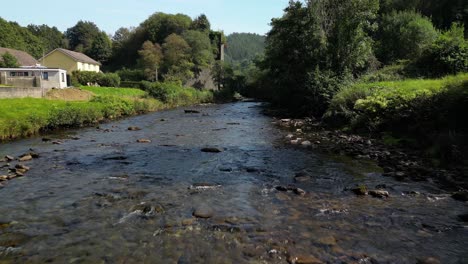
(111, 91)
(28, 116)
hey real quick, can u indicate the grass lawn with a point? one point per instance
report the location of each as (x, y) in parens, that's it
(111, 91)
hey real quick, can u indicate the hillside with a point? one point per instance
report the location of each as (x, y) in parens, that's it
(244, 46)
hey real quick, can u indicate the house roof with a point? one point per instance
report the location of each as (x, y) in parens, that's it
(23, 58)
(77, 56)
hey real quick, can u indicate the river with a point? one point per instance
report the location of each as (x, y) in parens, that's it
(101, 197)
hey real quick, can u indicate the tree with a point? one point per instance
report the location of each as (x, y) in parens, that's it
(81, 35)
(177, 62)
(405, 35)
(160, 25)
(13, 36)
(201, 23)
(312, 49)
(200, 48)
(244, 46)
(150, 58)
(51, 37)
(101, 48)
(8, 61)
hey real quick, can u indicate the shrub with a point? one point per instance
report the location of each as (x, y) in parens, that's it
(448, 54)
(109, 80)
(405, 35)
(134, 75)
(130, 84)
(88, 77)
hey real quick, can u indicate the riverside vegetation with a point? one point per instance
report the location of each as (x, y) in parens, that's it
(28, 116)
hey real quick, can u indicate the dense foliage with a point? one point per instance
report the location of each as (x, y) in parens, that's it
(88, 77)
(8, 61)
(244, 47)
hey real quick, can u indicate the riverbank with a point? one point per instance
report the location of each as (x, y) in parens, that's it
(28, 116)
(399, 162)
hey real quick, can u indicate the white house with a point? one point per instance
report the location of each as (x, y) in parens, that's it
(28, 77)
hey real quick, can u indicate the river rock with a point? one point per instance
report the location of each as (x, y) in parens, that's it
(211, 150)
(461, 196)
(299, 191)
(143, 140)
(9, 158)
(429, 260)
(328, 241)
(188, 111)
(204, 186)
(203, 212)
(281, 188)
(26, 157)
(304, 260)
(379, 193)
(3, 178)
(360, 190)
(306, 143)
(133, 128)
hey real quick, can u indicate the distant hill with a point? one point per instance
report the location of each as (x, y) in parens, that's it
(244, 46)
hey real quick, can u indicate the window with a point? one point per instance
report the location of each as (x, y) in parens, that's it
(12, 74)
(26, 74)
(45, 75)
(63, 77)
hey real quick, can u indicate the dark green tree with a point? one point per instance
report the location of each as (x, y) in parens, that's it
(160, 25)
(101, 48)
(151, 57)
(81, 36)
(51, 37)
(200, 48)
(8, 61)
(201, 23)
(177, 63)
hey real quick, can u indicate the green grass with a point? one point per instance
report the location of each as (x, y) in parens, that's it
(111, 91)
(367, 102)
(28, 116)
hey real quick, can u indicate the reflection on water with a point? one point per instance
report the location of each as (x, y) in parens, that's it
(100, 197)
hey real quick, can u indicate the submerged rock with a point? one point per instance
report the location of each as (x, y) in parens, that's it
(143, 140)
(204, 186)
(429, 260)
(26, 157)
(211, 150)
(9, 158)
(133, 128)
(203, 212)
(189, 111)
(461, 196)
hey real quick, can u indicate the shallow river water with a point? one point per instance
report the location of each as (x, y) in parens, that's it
(100, 197)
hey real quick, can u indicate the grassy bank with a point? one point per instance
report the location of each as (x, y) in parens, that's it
(28, 116)
(427, 113)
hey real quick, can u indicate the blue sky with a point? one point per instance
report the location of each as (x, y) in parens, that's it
(109, 15)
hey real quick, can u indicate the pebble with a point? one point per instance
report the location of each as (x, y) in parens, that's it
(143, 140)
(203, 212)
(379, 193)
(134, 128)
(191, 111)
(26, 157)
(9, 158)
(304, 260)
(306, 143)
(299, 191)
(429, 260)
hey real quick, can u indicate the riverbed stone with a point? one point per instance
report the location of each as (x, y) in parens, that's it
(26, 157)
(461, 196)
(212, 150)
(9, 158)
(144, 140)
(304, 259)
(360, 190)
(22, 167)
(190, 111)
(133, 128)
(379, 193)
(3, 178)
(299, 191)
(429, 260)
(203, 211)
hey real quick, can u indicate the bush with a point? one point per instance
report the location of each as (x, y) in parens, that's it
(88, 77)
(173, 94)
(448, 54)
(405, 35)
(133, 75)
(109, 80)
(131, 84)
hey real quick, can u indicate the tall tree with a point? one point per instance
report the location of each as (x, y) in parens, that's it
(101, 48)
(151, 57)
(200, 48)
(160, 25)
(201, 23)
(51, 37)
(177, 62)
(13, 36)
(81, 35)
